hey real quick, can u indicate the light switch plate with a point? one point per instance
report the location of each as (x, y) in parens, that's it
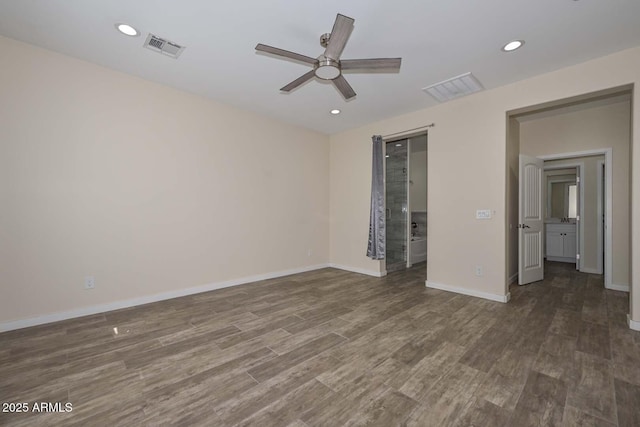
(483, 214)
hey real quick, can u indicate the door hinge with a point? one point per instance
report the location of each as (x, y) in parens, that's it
(577, 256)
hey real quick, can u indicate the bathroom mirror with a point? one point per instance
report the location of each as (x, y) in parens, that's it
(562, 197)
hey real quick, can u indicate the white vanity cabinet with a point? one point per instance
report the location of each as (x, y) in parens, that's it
(561, 242)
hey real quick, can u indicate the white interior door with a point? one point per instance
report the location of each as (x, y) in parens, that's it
(531, 221)
(578, 219)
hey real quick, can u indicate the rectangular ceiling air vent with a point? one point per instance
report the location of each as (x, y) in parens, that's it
(163, 46)
(455, 87)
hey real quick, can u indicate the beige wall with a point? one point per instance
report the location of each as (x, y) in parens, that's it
(594, 128)
(468, 152)
(147, 188)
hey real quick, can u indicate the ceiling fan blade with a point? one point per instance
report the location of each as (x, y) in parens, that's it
(344, 87)
(300, 80)
(380, 65)
(342, 29)
(285, 53)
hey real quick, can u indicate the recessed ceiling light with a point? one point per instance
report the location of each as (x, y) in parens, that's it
(127, 30)
(398, 145)
(335, 111)
(387, 155)
(513, 45)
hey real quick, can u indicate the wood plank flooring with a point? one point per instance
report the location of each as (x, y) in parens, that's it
(332, 348)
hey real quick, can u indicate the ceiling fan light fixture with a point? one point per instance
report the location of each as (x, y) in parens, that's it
(327, 68)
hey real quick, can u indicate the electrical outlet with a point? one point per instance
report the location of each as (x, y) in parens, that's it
(89, 282)
(479, 271)
(309, 252)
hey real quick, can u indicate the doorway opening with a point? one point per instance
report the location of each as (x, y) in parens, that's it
(563, 220)
(406, 202)
(577, 152)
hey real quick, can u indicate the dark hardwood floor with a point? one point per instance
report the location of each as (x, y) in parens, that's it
(332, 348)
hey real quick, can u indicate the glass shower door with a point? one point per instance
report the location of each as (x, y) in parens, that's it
(396, 204)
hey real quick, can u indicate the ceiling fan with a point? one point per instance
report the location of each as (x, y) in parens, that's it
(329, 66)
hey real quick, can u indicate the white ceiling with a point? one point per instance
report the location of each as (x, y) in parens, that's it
(437, 39)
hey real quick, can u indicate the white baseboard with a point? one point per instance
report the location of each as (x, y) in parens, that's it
(590, 270)
(116, 305)
(617, 287)
(470, 292)
(358, 270)
(561, 259)
(633, 324)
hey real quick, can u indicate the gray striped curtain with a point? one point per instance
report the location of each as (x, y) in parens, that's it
(377, 243)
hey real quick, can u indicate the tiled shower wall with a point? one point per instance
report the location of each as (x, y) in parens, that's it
(396, 203)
